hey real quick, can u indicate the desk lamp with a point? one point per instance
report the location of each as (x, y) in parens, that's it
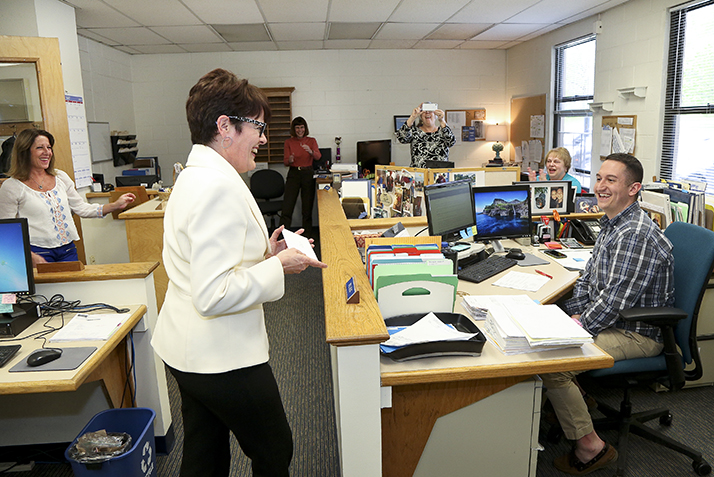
(498, 133)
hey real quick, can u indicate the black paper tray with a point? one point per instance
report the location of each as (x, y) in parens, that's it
(471, 347)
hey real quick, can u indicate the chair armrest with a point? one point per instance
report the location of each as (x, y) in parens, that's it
(666, 319)
(655, 316)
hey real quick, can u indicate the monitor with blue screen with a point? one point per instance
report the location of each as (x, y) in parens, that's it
(15, 258)
(502, 212)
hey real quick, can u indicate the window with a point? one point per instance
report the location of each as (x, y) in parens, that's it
(572, 118)
(689, 108)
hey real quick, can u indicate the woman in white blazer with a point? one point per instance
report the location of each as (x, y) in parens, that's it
(222, 267)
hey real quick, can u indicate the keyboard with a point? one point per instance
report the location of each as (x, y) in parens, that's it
(485, 269)
(7, 352)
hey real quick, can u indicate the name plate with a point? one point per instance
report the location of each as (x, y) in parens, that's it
(352, 292)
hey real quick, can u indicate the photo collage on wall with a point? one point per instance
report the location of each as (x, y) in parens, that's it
(399, 192)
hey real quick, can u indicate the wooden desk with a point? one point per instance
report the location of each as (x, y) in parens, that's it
(401, 402)
(145, 238)
(106, 364)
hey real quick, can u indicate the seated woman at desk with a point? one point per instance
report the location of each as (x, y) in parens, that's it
(428, 141)
(46, 197)
(557, 165)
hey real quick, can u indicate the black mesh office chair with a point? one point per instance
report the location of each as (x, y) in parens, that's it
(693, 263)
(267, 184)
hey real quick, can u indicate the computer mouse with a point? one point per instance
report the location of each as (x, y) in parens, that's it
(516, 254)
(43, 356)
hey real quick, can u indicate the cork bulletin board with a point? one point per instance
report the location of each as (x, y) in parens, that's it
(521, 111)
(619, 123)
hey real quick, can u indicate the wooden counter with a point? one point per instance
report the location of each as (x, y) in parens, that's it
(145, 239)
(116, 271)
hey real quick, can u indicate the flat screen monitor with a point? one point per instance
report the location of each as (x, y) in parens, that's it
(449, 208)
(502, 212)
(15, 258)
(130, 181)
(372, 153)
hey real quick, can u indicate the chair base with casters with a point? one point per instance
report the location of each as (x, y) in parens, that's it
(693, 251)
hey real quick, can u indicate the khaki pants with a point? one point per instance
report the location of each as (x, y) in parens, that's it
(565, 395)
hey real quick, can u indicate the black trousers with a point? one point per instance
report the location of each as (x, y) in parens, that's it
(245, 402)
(299, 181)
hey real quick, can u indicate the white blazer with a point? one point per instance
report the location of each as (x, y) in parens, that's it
(215, 243)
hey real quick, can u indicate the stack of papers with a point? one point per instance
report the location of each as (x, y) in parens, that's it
(85, 327)
(516, 324)
(427, 330)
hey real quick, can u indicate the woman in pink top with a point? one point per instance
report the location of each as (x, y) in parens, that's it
(300, 152)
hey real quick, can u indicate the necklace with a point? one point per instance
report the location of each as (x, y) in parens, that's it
(38, 184)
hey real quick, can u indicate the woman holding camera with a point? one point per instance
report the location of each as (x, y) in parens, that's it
(428, 140)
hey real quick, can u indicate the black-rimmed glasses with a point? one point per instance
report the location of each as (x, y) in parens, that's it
(261, 125)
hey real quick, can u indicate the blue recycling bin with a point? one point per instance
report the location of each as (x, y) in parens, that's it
(138, 461)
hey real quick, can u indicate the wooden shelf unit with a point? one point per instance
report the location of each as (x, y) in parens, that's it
(278, 130)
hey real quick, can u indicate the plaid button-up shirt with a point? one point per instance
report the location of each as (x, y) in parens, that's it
(631, 266)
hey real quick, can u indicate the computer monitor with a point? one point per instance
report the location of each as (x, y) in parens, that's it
(129, 181)
(15, 258)
(502, 212)
(449, 208)
(372, 153)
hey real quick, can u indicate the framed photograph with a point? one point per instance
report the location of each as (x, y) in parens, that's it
(586, 204)
(549, 196)
(398, 121)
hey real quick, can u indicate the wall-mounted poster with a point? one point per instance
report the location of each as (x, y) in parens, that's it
(399, 192)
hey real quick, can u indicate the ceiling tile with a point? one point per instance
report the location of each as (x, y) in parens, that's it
(392, 44)
(346, 44)
(551, 11)
(220, 11)
(90, 13)
(361, 10)
(297, 31)
(300, 45)
(481, 45)
(424, 11)
(159, 49)
(254, 46)
(458, 31)
(280, 11)
(508, 31)
(438, 44)
(352, 31)
(155, 12)
(205, 47)
(405, 31)
(188, 34)
(488, 11)
(131, 36)
(92, 35)
(231, 33)
(128, 49)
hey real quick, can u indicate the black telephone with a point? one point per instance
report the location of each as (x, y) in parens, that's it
(585, 231)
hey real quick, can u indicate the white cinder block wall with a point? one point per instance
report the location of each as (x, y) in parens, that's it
(353, 94)
(631, 51)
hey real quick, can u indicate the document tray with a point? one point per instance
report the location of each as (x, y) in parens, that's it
(471, 347)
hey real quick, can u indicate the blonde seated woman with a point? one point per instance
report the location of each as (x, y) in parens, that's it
(557, 165)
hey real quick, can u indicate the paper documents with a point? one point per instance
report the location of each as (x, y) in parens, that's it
(516, 324)
(293, 240)
(522, 281)
(85, 327)
(428, 329)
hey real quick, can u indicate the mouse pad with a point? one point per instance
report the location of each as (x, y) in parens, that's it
(532, 260)
(71, 359)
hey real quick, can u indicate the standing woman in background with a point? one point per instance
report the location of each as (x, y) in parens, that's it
(429, 141)
(300, 152)
(46, 197)
(222, 266)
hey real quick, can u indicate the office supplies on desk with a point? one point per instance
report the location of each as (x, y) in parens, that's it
(521, 281)
(462, 336)
(42, 356)
(85, 327)
(544, 274)
(485, 269)
(71, 359)
(417, 294)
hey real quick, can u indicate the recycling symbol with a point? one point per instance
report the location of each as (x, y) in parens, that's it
(146, 463)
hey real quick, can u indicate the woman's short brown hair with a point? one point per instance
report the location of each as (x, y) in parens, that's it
(299, 121)
(21, 159)
(221, 92)
(562, 154)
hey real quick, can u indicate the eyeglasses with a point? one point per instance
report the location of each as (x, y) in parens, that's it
(261, 125)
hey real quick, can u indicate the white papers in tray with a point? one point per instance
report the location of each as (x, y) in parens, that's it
(428, 329)
(85, 327)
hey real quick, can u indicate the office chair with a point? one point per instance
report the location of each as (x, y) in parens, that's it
(268, 184)
(693, 263)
